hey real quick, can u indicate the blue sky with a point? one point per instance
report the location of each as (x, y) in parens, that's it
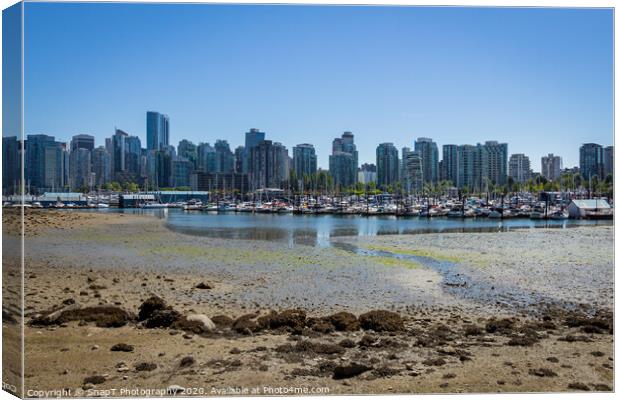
(539, 79)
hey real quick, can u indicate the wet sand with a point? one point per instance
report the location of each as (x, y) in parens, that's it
(447, 342)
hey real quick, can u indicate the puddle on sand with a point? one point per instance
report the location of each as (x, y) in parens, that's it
(459, 282)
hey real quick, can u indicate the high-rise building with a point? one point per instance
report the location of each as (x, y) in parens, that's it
(466, 174)
(80, 168)
(343, 161)
(83, 142)
(413, 178)
(283, 164)
(101, 166)
(44, 163)
(367, 174)
(188, 150)
(497, 159)
(157, 130)
(239, 154)
(181, 170)
(11, 165)
(133, 152)
(252, 138)
(304, 160)
(117, 153)
(551, 166)
(608, 160)
(450, 163)
(387, 165)
(263, 166)
(206, 161)
(591, 160)
(519, 168)
(225, 160)
(427, 149)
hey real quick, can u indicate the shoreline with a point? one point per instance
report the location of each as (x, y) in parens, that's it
(122, 272)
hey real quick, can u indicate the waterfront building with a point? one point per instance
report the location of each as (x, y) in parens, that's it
(343, 161)
(117, 154)
(282, 164)
(252, 139)
(239, 154)
(367, 174)
(224, 157)
(181, 170)
(304, 160)
(497, 162)
(449, 166)
(157, 130)
(207, 160)
(227, 183)
(133, 152)
(387, 165)
(44, 163)
(591, 160)
(163, 167)
(519, 168)
(188, 150)
(80, 169)
(101, 166)
(413, 179)
(608, 160)
(11, 165)
(551, 166)
(427, 149)
(263, 166)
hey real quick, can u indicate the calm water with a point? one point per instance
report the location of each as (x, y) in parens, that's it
(316, 230)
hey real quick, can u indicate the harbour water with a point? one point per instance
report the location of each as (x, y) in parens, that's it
(318, 230)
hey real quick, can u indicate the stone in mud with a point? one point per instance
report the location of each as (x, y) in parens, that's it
(367, 341)
(204, 286)
(104, 316)
(149, 306)
(503, 325)
(246, 324)
(122, 347)
(382, 321)
(343, 321)
(527, 340)
(222, 321)
(553, 359)
(94, 379)
(347, 343)
(292, 318)
(349, 371)
(542, 372)
(195, 323)
(161, 319)
(323, 326)
(578, 386)
(601, 387)
(187, 361)
(597, 353)
(435, 362)
(472, 330)
(145, 366)
(307, 346)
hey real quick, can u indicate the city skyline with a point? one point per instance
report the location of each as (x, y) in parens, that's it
(469, 81)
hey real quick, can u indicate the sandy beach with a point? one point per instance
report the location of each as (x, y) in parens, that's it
(116, 301)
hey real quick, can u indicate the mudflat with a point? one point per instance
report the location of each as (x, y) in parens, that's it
(115, 301)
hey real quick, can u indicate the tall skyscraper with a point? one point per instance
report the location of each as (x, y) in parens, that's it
(189, 151)
(450, 163)
(430, 158)
(225, 160)
(157, 130)
(101, 166)
(608, 160)
(551, 166)
(239, 154)
(304, 160)
(497, 159)
(262, 166)
(387, 165)
(44, 163)
(11, 165)
(466, 159)
(80, 169)
(252, 138)
(83, 142)
(413, 178)
(591, 160)
(343, 161)
(519, 168)
(206, 161)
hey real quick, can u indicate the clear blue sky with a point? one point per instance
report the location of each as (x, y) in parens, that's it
(539, 79)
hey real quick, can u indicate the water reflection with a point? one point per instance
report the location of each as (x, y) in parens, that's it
(316, 230)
